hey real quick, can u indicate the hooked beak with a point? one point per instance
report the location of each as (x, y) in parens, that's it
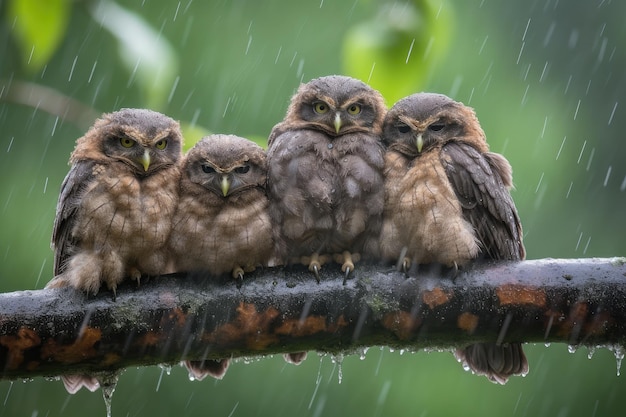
(225, 185)
(145, 160)
(337, 123)
(420, 143)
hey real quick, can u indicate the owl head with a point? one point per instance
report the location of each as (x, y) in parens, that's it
(337, 105)
(144, 141)
(423, 121)
(225, 165)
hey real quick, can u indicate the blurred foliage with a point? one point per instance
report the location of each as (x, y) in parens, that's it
(38, 28)
(395, 50)
(547, 82)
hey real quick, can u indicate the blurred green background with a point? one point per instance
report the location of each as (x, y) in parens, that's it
(547, 80)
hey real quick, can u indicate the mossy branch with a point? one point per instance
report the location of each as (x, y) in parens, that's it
(277, 310)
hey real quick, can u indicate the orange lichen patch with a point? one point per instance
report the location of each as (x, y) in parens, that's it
(436, 297)
(149, 339)
(599, 324)
(340, 323)
(306, 327)
(17, 344)
(175, 318)
(468, 322)
(110, 359)
(401, 323)
(519, 294)
(82, 348)
(250, 328)
(575, 321)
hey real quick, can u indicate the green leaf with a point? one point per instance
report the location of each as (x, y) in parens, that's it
(395, 51)
(38, 27)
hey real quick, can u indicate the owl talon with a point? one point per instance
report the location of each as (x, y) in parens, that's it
(314, 267)
(455, 271)
(238, 276)
(347, 259)
(315, 264)
(345, 277)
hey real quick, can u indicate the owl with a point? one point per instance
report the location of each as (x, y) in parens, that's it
(114, 213)
(222, 224)
(447, 201)
(325, 181)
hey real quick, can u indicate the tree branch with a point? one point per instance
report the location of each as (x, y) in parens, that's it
(170, 318)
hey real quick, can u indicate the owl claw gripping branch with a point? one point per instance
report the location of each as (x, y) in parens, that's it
(342, 179)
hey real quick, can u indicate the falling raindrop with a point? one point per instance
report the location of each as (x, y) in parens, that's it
(618, 351)
(318, 380)
(8, 392)
(165, 368)
(613, 112)
(337, 359)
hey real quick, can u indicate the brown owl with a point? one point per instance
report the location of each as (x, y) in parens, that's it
(222, 223)
(447, 201)
(115, 209)
(325, 178)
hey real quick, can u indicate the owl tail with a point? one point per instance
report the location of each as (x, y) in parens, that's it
(201, 369)
(496, 362)
(75, 382)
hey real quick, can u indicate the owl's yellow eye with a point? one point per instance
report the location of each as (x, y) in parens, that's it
(127, 142)
(162, 144)
(354, 109)
(320, 107)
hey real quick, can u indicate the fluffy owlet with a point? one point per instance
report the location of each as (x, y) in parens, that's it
(222, 225)
(325, 178)
(115, 208)
(447, 201)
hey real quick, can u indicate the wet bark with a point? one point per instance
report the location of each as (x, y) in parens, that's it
(177, 317)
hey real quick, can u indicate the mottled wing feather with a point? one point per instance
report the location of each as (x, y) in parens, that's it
(72, 188)
(481, 187)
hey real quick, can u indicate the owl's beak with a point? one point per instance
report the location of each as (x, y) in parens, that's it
(420, 143)
(337, 122)
(225, 185)
(145, 160)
